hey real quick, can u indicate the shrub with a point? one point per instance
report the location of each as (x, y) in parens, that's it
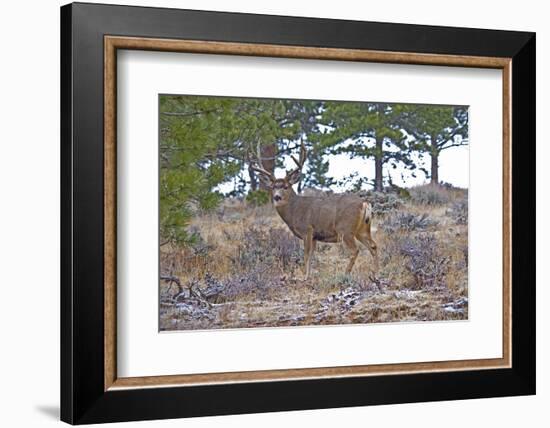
(253, 250)
(408, 222)
(255, 282)
(275, 246)
(459, 211)
(198, 246)
(425, 262)
(382, 203)
(402, 192)
(430, 194)
(285, 247)
(257, 197)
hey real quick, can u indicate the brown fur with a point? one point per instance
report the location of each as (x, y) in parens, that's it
(333, 218)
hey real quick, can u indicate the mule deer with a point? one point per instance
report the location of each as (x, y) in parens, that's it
(333, 218)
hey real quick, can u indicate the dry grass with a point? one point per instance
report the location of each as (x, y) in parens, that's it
(245, 269)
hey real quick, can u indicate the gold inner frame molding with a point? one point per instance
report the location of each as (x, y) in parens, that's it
(113, 43)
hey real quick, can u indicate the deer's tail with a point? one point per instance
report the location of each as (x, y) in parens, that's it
(367, 213)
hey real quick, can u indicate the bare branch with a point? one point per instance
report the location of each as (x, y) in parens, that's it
(193, 113)
(462, 143)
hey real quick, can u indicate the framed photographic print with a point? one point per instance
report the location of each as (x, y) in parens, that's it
(264, 213)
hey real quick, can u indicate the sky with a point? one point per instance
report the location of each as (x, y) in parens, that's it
(453, 168)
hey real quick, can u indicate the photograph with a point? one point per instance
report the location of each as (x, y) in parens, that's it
(291, 212)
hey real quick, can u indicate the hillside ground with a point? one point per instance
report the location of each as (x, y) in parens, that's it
(245, 268)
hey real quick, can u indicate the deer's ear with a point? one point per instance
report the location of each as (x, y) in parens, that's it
(266, 181)
(294, 176)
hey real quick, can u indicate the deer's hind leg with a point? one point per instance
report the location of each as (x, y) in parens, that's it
(309, 247)
(349, 240)
(365, 237)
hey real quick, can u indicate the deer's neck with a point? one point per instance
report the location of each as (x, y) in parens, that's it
(286, 211)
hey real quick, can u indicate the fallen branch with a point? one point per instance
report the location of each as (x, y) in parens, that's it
(172, 279)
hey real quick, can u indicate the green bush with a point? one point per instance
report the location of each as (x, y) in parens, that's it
(257, 197)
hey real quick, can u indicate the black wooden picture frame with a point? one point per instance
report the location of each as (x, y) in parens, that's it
(84, 397)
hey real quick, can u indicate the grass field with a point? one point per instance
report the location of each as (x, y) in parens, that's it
(245, 268)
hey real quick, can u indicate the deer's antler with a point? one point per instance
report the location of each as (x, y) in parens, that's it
(260, 169)
(303, 155)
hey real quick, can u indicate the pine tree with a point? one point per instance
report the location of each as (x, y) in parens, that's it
(434, 129)
(366, 130)
(195, 156)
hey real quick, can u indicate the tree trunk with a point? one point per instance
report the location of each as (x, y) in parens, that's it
(253, 180)
(268, 154)
(378, 183)
(435, 167)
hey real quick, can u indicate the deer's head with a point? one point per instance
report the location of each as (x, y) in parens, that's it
(281, 188)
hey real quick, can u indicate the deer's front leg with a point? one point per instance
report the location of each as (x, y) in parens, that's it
(309, 245)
